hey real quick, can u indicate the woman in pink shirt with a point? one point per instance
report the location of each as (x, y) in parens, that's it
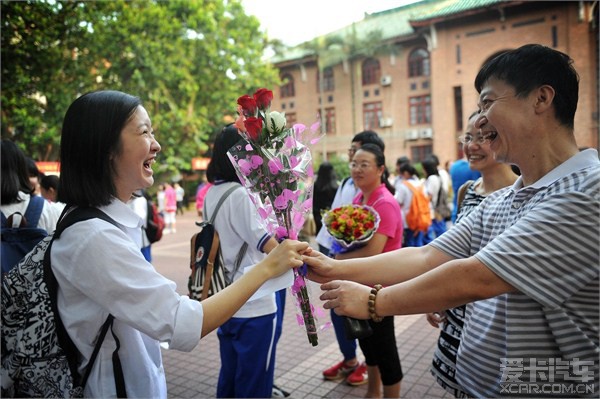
(170, 209)
(381, 353)
(200, 195)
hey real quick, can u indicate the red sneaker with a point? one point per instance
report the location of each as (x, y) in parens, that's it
(359, 376)
(338, 371)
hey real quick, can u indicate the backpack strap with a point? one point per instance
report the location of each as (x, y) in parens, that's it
(72, 215)
(213, 251)
(462, 191)
(32, 213)
(103, 331)
(68, 218)
(410, 187)
(238, 259)
(210, 264)
(34, 210)
(439, 196)
(117, 367)
(221, 200)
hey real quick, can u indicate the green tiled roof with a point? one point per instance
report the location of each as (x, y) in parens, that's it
(392, 23)
(446, 8)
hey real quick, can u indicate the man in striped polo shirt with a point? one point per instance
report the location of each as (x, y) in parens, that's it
(526, 260)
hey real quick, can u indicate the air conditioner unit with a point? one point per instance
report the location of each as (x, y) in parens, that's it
(386, 80)
(426, 133)
(385, 122)
(412, 134)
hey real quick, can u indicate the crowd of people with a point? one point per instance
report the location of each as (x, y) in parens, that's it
(371, 184)
(524, 261)
(22, 181)
(507, 268)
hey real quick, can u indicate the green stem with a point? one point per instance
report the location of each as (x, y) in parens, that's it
(302, 295)
(309, 320)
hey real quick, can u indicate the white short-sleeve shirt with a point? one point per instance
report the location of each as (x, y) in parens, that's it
(343, 196)
(237, 222)
(100, 271)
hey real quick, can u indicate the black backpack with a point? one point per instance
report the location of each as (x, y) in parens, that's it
(38, 357)
(208, 276)
(19, 233)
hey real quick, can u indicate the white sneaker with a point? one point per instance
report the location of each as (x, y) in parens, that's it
(279, 393)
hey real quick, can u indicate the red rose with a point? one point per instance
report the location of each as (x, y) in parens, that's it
(369, 225)
(253, 127)
(248, 104)
(357, 233)
(263, 98)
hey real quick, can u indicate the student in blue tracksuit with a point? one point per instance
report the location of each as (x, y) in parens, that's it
(247, 341)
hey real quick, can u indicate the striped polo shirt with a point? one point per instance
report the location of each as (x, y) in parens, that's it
(543, 239)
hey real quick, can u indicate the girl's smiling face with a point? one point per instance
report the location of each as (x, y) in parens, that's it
(132, 164)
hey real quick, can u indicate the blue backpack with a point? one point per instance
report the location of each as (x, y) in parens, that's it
(20, 234)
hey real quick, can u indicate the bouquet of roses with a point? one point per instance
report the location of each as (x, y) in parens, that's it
(350, 226)
(271, 162)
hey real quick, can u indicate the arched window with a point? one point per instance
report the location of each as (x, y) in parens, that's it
(418, 63)
(371, 71)
(328, 82)
(329, 120)
(372, 113)
(287, 88)
(420, 110)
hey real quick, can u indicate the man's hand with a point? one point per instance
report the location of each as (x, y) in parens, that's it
(347, 298)
(320, 267)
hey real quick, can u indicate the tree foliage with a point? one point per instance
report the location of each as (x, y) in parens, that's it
(188, 60)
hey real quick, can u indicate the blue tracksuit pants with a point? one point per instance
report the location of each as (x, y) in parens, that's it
(247, 347)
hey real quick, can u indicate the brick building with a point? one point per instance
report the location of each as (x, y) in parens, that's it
(408, 72)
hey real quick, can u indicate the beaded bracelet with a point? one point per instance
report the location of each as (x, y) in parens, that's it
(372, 298)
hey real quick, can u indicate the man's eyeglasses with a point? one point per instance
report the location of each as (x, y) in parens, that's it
(479, 139)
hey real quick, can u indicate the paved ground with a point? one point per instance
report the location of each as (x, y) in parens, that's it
(299, 365)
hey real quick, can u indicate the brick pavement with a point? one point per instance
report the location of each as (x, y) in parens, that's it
(298, 365)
